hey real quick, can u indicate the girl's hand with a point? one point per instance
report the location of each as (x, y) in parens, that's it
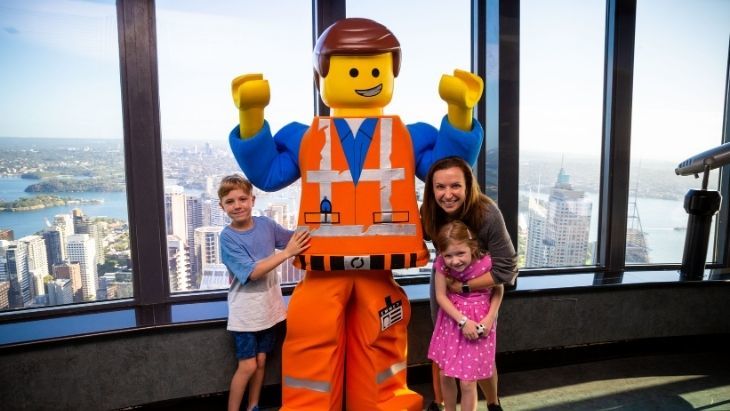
(488, 323)
(298, 242)
(469, 330)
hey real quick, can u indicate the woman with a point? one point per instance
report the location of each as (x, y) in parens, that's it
(452, 193)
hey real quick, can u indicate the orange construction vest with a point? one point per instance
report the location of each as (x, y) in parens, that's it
(373, 225)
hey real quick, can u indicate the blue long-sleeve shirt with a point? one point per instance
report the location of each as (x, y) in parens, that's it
(273, 163)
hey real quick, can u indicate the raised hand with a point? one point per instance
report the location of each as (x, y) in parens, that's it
(251, 95)
(461, 92)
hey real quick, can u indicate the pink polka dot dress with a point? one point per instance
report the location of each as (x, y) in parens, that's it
(468, 360)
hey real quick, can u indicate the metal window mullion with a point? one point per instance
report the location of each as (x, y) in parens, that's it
(143, 158)
(616, 152)
(723, 217)
(324, 14)
(509, 114)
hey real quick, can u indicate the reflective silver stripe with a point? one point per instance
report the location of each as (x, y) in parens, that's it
(325, 162)
(385, 174)
(318, 386)
(391, 371)
(391, 229)
(328, 176)
(357, 230)
(386, 149)
(334, 176)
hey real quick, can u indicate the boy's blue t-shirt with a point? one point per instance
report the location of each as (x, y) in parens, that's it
(240, 250)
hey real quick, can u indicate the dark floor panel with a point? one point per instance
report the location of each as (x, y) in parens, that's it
(670, 381)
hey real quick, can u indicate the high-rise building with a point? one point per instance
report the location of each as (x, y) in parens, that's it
(194, 216)
(65, 226)
(213, 214)
(177, 263)
(54, 247)
(4, 295)
(60, 291)
(536, 223)
(37, 256)
(4, 244)
(70, 271)
(207, 248)
(81, 249)
(18, 275)
(214, 277)
(175, 219)
(82, 225)
(566, 220)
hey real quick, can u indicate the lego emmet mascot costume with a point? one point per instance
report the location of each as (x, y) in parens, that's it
(358, 201)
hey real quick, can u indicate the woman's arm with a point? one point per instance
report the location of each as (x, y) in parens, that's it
(469, 327)
(479, 283)
(494, 236)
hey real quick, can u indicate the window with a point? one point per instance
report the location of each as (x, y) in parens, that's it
(202, 47)
(561, 96)
(64, 235)
(680, 65)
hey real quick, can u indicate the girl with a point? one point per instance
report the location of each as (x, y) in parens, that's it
(464, 336)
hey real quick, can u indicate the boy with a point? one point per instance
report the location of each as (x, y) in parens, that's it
(255, 303)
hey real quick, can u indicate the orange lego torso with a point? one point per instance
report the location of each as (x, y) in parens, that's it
(373, 224)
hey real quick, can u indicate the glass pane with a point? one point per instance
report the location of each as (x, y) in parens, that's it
(561, 98)
(426, 56)
(202, 46)
(678, 102)
(64, 234)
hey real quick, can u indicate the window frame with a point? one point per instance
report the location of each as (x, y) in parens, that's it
(153, 299)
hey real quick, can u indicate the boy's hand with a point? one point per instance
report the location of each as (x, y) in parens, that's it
(298, 242)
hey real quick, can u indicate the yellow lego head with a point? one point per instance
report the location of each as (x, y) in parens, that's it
(358, 82)
(357, 60)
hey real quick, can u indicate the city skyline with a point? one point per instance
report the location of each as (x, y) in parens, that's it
(680, 63)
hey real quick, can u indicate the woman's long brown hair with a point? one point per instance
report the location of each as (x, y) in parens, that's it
(474, 210)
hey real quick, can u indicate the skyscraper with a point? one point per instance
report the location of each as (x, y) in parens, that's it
(70, 271)
(82, 225)
(561, 227)
(177, 263)
(194, 219)
(54, 247)
(207, 249)
(60, 292)
(82, 249)
(18, 275)
(64, 224)
(175, 219)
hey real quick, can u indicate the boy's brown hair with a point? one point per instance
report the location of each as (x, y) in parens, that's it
(233, 182)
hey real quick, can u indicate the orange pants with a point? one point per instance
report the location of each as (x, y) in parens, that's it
(351, 326)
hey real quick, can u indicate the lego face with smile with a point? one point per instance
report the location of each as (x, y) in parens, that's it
(358, 82)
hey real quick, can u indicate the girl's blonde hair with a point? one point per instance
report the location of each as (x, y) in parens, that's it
(457, 232)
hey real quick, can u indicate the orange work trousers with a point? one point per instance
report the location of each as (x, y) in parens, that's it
(351, 326)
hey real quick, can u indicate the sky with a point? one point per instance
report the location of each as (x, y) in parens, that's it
(60, 70)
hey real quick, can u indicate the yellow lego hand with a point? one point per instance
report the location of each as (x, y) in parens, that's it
(250, 95)
(461, 92)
